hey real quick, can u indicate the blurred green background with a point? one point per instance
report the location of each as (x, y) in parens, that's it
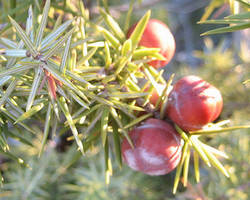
(223, 60)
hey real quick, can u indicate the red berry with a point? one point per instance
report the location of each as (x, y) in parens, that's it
(155, 96)
(157, 148)
(193, 103)
(157, 35)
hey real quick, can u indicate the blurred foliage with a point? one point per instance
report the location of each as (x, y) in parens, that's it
(65, 174)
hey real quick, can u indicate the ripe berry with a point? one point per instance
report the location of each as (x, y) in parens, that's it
(193, 103)
(157, 148)
(157, 35)
(155, 96)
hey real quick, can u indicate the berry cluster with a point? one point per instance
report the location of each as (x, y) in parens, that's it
(191, 104)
